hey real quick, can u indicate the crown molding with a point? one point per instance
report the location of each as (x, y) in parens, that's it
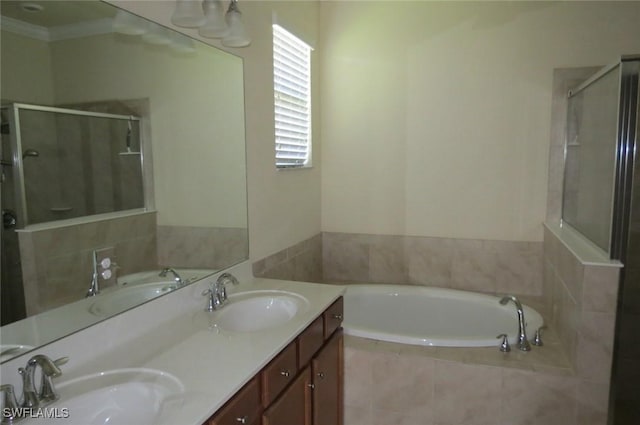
(61, 32)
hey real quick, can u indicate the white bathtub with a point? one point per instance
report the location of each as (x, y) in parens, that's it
(422, 315)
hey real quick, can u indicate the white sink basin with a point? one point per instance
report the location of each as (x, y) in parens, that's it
(122, 396)
(109, 303)
(258, 310)
(9, 351)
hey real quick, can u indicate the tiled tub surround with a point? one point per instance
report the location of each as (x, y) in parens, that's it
(301, 262)
(395, 384)
(57, 262)
(565, 382)
(583, 298)
(468, 264)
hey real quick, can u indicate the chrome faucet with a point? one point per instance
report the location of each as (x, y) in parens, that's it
(176, 277)
(217, 293)
(523, 343)
(93, 287)
(47, 392)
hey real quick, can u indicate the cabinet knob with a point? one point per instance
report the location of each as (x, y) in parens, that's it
(243, 420)
(337, 316)
(285, 373)
(320, 375)
(312, 386)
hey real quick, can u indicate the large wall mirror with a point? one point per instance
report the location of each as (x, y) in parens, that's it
(121, 140)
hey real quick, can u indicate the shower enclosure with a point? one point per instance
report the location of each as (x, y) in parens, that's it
(601, 200)
(60, 164)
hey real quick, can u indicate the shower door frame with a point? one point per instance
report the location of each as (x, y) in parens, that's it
(13, 109)
(626, 133)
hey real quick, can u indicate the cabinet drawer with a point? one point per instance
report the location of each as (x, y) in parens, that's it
(333, 317)
(294, 405)
(310, 341)
(243, 408)
(279, 373)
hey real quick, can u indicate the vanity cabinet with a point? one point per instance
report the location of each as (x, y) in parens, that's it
(244, 408)
(302, 385)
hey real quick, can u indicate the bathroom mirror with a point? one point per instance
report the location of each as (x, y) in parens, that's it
(185, 101)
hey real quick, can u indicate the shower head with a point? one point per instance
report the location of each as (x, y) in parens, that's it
(30, 152)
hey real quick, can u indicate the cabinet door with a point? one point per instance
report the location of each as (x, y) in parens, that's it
(327, 370)
(243, 408)
(293, 407)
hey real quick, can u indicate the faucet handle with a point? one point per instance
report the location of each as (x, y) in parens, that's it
(504, 345)
(9, 404)
(48, 391)
(537, 339)
(213, 300)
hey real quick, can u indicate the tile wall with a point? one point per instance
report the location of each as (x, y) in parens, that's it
(57, 263)
(201, 247)
(475, 265)
(301, 262)
(394, 384)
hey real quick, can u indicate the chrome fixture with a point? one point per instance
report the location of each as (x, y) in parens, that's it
(217, 293)
(504, 344)
(9, 403)
(537, 338)
(32, 398)
(93, 286)
(207, 16)
(176, 277)
(30, 152)
(523, 343)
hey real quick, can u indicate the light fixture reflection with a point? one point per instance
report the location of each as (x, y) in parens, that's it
(215, 25)
(128, 24)
(156, 34)
(188, 14)
(237, 36)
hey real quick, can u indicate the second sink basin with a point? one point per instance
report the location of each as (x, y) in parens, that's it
(258, 310)
(122, 396)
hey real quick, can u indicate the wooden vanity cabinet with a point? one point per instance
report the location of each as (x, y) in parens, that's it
(293, 407)
(302, 385)
(327, 378)
(244, 408)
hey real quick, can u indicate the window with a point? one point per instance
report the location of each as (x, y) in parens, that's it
(292, 99)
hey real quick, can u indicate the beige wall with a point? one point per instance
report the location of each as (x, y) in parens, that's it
(436, 115)
(18, 68)
(277, 219)
(196, 110)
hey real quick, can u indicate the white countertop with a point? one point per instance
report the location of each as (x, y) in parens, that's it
(213, 365)
(172, 334)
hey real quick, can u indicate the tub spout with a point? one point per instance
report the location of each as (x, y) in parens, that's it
(523, 342)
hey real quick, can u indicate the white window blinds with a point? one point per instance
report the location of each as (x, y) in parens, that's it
(292, 99)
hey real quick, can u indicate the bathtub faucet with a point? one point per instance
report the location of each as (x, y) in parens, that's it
(523, 343)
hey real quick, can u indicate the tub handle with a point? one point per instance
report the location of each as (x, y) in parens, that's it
(504, 344)
(537, 339)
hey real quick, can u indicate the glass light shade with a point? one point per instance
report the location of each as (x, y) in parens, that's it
(156, 35)
(215, 25)
(188, 14)
(126, 23)
(237, 36)
(182, 44)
